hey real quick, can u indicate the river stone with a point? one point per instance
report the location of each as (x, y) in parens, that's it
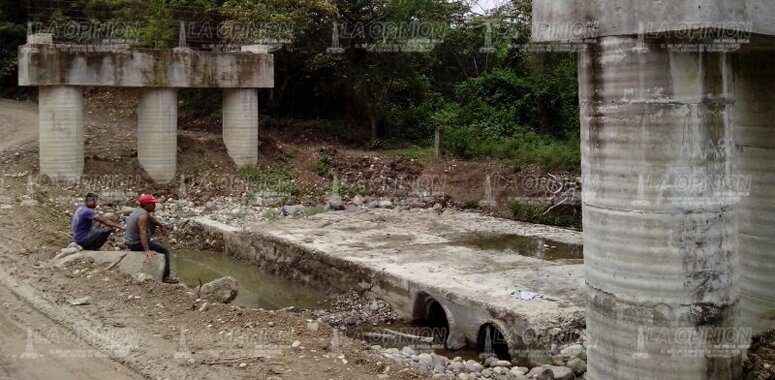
(472, 366)
(425, 358)
(500, 371)
(551, 372)
(335, 203)
(357, 200)
(573, 351)
(458, 366)
(223, 289)
(500, 363)
(577, 365)
(289, 210)
(408, 351)
(142, 277)
(519, 370)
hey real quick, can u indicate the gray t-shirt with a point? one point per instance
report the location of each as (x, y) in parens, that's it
(132, 234)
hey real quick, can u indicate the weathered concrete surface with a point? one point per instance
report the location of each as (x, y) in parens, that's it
(755, 139)
(157, 133)
(132, 263)
(560, 20)
(406, 256)
(660, 237)
(60, 122)
(240, 125)
(79, 65)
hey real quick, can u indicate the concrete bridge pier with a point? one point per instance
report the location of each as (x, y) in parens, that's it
(240, 125)
(157, 144)
(659, 245)
(60, 123)
(755, 139)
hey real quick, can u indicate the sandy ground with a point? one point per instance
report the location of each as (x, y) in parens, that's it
(128, 330)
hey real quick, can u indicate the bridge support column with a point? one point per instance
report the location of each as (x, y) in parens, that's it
(60, 123)
(157, 120)
(659, 242)
(240, 125)
(755, 139)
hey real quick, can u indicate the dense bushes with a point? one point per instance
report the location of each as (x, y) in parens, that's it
(531, 118)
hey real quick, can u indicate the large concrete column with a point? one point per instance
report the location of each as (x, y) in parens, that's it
(157, 144)
(240, 125)
(755, 138)
(659, 241)
(60, 122)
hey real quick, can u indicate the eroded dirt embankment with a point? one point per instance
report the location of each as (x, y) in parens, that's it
(148, 329)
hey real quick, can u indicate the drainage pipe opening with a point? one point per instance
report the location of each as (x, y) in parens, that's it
(430, 314)
(491, 341)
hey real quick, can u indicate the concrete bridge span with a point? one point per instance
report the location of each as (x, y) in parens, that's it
(60, 71)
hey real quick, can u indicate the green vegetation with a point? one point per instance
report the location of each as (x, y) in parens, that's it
(344, 189)
(540, 214)
(272, 215)
(322, 166)
(471, 204)
(278, 180)
(412, 153)
(499, 102)
(314, 211)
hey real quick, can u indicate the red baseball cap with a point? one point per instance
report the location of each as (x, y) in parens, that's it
(147, 198)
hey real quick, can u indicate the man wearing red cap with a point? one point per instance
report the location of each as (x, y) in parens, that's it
(140, 226)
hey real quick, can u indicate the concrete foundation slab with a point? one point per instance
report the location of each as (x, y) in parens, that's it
(408, 257)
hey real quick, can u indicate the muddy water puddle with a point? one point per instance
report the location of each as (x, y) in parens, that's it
(257, 288)
(536, 247)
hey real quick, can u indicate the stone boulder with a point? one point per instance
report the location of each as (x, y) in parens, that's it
(132, 262)
(223, 289)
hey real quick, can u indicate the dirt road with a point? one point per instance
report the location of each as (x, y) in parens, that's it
(18, 124)
(32, 346)
(160, 334)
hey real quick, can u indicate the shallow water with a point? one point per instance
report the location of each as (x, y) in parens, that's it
(539, 248)
(257, 288)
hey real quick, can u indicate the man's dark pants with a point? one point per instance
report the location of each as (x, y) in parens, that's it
(156, 247)
(96, 238)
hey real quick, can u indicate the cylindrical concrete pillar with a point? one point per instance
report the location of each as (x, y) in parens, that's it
(240, 125)
(659, 240)
(60, 124)
(157, 144)
(755, 139)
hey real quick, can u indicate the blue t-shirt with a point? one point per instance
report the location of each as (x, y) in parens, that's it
(82, 221)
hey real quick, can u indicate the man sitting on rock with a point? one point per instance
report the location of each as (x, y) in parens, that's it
(86, 233)
(140, 226)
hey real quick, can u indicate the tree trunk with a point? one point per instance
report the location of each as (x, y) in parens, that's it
(373, 120)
